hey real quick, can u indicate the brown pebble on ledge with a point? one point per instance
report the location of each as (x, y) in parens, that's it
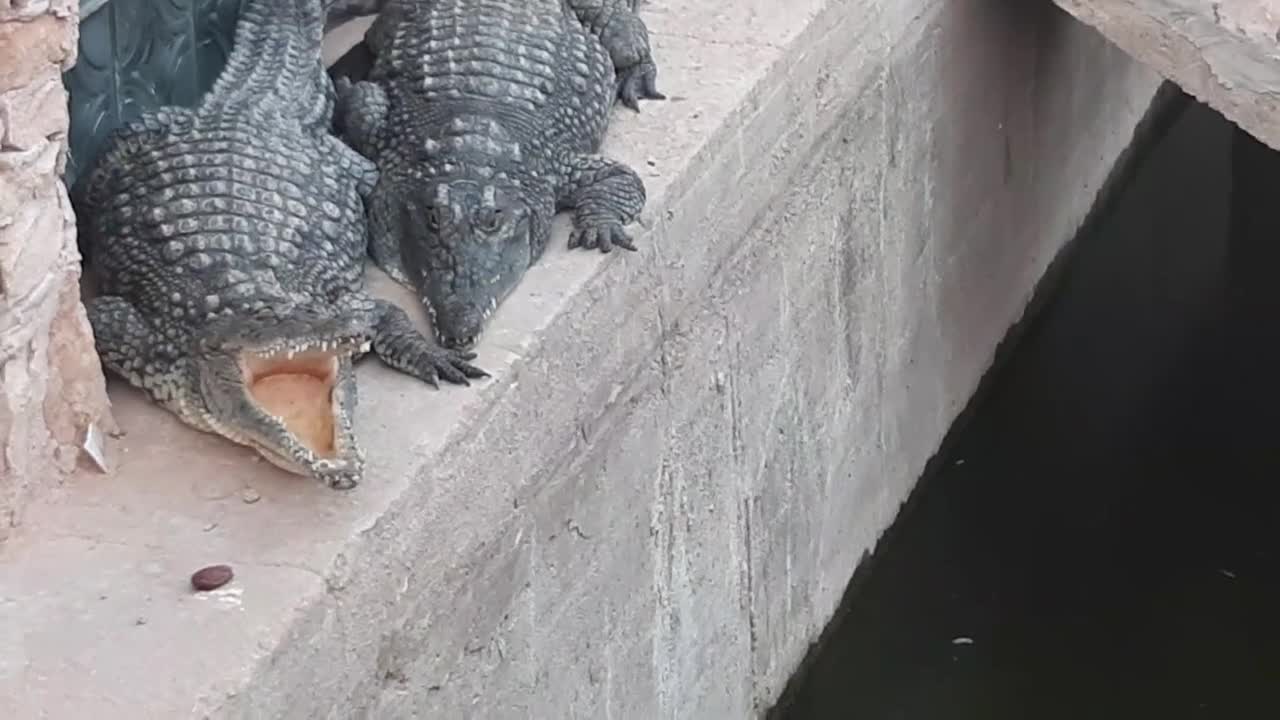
(212, 577)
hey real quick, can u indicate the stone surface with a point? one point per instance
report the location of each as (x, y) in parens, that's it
(1226, 53)
(51, 387)
(654, 506)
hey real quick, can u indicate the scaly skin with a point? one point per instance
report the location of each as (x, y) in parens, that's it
(485, 118)
(228, 242)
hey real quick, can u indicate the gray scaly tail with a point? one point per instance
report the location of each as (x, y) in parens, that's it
(275, 64)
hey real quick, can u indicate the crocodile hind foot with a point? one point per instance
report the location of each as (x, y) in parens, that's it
(399, 344)
(625, 36)
(639, 82)
(129, 347)
(360, 114)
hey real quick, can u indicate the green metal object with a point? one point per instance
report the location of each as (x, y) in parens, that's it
(140, 54)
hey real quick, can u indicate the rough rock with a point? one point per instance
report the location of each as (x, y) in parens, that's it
(51, 386)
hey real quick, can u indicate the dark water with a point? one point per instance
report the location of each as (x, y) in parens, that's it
(1102, 539)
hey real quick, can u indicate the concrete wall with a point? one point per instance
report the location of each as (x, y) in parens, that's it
(925, 162)
(51, 386)
(654, 506)
(1222, 53)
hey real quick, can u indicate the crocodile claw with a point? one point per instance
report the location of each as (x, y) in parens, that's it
(451, 366)
(639, 82)
(600, 234)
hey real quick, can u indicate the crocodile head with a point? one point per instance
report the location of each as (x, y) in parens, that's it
(284, 386)
(468, 246)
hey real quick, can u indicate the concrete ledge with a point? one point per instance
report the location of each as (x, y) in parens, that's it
(656, 503)
(1224, 53)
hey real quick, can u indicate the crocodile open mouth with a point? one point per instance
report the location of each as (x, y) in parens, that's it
(297, 388)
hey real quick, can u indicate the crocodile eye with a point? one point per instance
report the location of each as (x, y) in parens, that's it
(435, 217)
(491, 221)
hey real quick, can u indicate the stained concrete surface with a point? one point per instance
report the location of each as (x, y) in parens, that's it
(1102, 539)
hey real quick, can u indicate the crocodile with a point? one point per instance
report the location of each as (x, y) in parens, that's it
(485, 118)
(228, 242)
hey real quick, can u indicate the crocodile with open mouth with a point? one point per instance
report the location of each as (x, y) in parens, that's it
(229, 241)
(485, 119)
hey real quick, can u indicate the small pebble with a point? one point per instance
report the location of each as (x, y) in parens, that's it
(250, 496)
(212, 577)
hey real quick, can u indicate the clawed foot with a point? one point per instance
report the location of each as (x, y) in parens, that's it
(603, 233)
(401, 346)
(639, 82)
(626, 38)
(450, 365)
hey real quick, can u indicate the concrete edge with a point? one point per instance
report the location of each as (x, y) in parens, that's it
(1229, 69)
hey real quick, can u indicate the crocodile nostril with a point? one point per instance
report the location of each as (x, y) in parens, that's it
(465, 342)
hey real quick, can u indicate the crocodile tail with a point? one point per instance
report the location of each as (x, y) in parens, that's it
(275, 62)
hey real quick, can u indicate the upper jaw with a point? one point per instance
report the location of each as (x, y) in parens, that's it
(458, 342)
(469, 338)
(290, 347)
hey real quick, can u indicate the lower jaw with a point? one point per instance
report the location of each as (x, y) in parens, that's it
(288, 466)
(250, 441)
(342, 465)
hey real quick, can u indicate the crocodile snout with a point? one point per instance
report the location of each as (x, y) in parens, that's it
(459, 324)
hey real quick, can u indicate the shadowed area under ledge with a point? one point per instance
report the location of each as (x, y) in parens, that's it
(1101, 539)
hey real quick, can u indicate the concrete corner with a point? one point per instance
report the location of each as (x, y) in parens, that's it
(1225, 53)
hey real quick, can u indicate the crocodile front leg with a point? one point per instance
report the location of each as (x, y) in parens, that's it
(361, 113)
(624, 35)
(132, 349)
(399, 344)
(386, 227)
(605, 195)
